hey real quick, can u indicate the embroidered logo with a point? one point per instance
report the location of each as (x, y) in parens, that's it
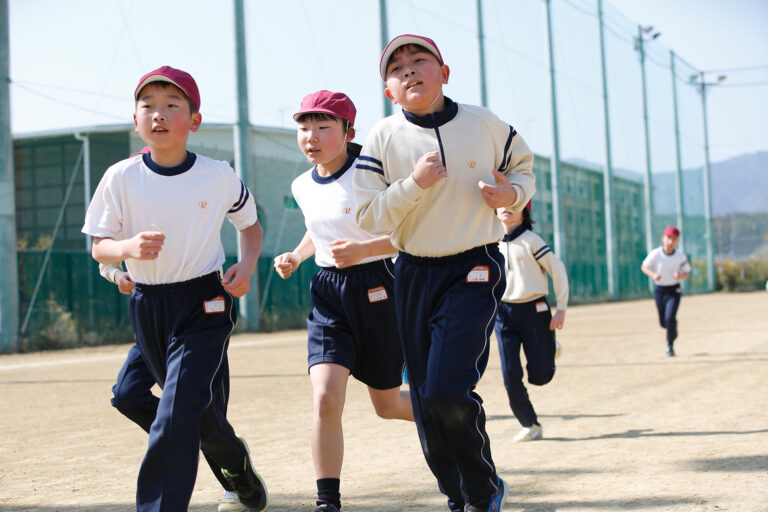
(215, 305)
(203, 204)
(471, 164)
(479, 274)
(377, 294)
(347, 210)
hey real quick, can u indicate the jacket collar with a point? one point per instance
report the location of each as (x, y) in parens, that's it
(519, 230)
(435, 119)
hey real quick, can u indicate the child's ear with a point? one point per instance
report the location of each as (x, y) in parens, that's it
(446, 72)
(388, 94)
(350, 134)
(197, 119)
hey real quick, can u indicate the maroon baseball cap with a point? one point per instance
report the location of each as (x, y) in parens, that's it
(177, 77)
(403, 40)
(671, 231)
(336, 104)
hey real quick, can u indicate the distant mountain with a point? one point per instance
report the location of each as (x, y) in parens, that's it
(740, 184)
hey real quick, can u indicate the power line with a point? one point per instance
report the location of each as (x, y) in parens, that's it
(734, 70)
(66, 103)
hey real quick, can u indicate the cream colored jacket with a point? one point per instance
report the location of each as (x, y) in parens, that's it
(528, 260)
(451, 216)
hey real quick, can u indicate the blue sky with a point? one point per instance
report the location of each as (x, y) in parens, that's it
(75, 63)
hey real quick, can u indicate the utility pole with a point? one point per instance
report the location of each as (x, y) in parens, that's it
(9, 266)
(249, 303)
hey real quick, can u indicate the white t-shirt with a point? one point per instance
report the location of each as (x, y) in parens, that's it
(188, 203)
(328, 206)
(666, 265)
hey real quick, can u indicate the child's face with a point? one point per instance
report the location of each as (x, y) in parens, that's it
(415, 80)
(322, 140)
(669, 243)
(508, 218)
(163, 119)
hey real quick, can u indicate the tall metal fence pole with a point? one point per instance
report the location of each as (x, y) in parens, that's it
(648, 183)
(481, 47)
(9, 266)
(610, 239)
(710, 242)
(558, 224)
(678, 155)
(384, 35)
(249, 303)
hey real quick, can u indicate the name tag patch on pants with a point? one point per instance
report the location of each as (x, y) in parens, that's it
(377, 294)
(541, 307)
(479, 274)
(215, 305)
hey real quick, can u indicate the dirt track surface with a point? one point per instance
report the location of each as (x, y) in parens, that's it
(625, 427)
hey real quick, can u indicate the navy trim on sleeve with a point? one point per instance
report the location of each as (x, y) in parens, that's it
(244, 195)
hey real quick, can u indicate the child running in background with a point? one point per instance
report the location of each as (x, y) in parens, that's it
(667, 267)
(132, 393)
(432, 175)
(524, 318)
(352, 327)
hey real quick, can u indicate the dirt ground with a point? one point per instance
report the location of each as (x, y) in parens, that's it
(626, 428)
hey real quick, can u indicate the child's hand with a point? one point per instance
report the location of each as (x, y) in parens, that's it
(237, 280)
(429, 170)
(501, 195)
(145, 245)
(347, 252)
(657, 277)
(124, 282)
(557, 320)
(286, 264)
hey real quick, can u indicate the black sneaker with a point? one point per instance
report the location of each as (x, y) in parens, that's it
(324, 506)
(248, 485)
(670, 351)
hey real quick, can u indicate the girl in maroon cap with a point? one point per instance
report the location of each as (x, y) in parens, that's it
(667, 267)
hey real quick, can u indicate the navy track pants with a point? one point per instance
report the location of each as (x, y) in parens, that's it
(445, 313)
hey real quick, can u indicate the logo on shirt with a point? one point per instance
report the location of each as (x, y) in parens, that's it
(347, 210)
(203, 204)
(471, 164)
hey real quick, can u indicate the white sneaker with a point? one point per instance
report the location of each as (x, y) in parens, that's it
(231, 503)
(531, 433)
(558, 350)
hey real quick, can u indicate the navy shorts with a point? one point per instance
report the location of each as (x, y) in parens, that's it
(352, 323)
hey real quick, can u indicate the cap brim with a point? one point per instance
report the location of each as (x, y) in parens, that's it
(402, 41)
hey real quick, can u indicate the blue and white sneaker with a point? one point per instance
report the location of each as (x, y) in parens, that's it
(497, 501)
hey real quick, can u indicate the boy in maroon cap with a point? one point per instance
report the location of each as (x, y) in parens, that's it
(161, 212)
(352, 327)
(432, 175)
(667, 267)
